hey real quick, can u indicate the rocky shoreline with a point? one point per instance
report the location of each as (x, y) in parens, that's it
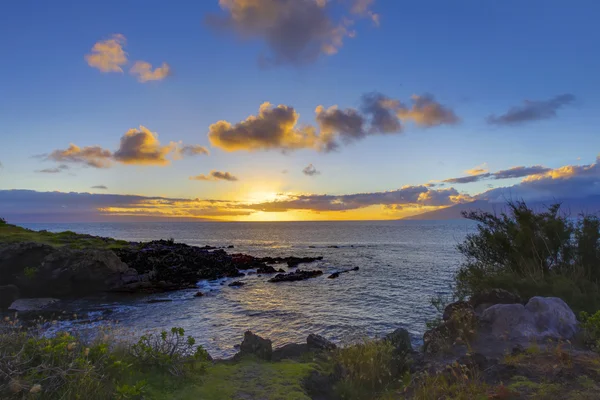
(31, 269)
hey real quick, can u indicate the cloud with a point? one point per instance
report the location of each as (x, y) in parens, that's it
(108, 55)
(144, 72)
(532, 110)
(141, 146)
(92, 156)
(102, 187)
(294, 31)
(191, 150)
(273, 128)
(427, 112)
(278, 128)
(215, 176)
(54, 170)
(33, 206)
(478, 170)
(310, 170)
(138, 146)
(407, 195)
(514, 172)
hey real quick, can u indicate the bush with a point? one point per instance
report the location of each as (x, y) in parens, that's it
(590, 328)
(367, 367)
(533, 253)
(170, 350)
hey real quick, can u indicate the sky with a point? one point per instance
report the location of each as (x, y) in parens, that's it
(274, 110)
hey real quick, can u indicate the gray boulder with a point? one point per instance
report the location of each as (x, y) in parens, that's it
(27, 305)
(255, 345)
(541, 317)
(8, 294)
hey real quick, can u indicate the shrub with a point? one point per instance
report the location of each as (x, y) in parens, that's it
(62, 366)
(170, 350)
(590, 329)
(533, 253)
(367, 367)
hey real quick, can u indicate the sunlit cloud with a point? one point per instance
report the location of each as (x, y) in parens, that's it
(478, 170)
(278, 127)
(141, 146)
(137, 146)
(532, 110)
(215, 176)
(294, 31)
(273, 128)
(92, 156)
(144, 72)
(511, 173)
(108, 55)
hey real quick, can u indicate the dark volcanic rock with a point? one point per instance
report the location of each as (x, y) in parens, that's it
(290, 351)
(298, 275)
(400, 339)
(237, 284)
(15, 258)
(255, 345)
(337, 274)
(318, 342)
(266, 269)
(199, 294)
(8, 294)
(455, 307)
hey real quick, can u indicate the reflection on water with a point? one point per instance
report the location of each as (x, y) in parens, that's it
(402, 265)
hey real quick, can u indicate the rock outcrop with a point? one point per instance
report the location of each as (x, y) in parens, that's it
(540, 318)
(29, 305)
(298, 275)
(255, 345)
(318, 342)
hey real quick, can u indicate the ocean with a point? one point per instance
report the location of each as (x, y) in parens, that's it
(402, 265)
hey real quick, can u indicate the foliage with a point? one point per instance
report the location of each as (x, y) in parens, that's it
(169, 350)
(368, 367)
(15, 234)
(533, 253)
(590, 328)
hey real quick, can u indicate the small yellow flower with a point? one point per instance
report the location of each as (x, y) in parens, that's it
(71, 346)
(86, 352)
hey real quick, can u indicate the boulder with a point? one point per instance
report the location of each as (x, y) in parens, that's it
(486, 298)
(19, 257)
(542, 317)
(67, 272)
(8, 294)
(266, 269)
(318, 342)
(460, 323)
(400, 339)
(237, 284)
(337, 274)
(290, 351)
(255, 345)
(26, 305)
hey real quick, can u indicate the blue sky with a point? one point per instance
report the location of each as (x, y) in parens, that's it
(477, 58)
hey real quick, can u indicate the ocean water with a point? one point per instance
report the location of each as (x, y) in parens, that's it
(402, 265)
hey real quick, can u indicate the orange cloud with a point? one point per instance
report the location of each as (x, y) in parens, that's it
(141, 146)
(144, 72)
(273, 128)
(108, 55)
(93, 156)
(215, 176)
(480, 169)
(427, 112)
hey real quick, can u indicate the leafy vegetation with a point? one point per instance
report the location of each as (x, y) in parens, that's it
(15, 234)
(590, 329)
(533, 254)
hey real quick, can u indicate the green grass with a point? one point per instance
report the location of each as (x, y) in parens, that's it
(247, 379)
(16, 234)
